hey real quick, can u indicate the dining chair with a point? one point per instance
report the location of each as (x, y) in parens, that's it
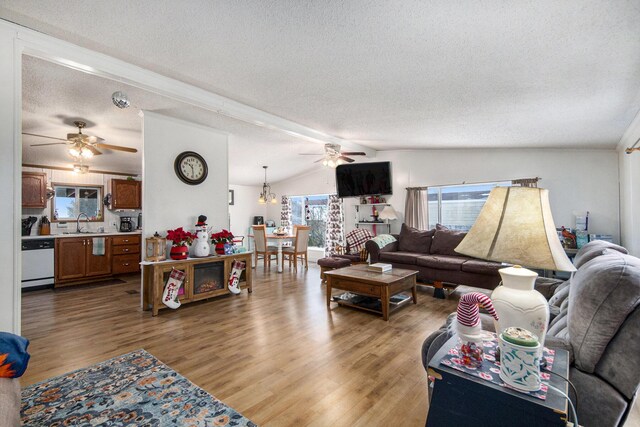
(262, 249)
(299, 250)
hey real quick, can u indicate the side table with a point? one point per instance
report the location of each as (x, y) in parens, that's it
(460, 399)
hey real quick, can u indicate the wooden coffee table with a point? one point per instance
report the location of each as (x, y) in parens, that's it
(362, 281)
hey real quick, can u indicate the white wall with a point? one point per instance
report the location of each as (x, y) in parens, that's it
(243, 210)
(578, 180)
(10, 182)
(630, 201)
(67, 177)
(169, 203)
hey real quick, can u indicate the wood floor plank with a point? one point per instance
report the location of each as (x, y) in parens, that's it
(278, 356)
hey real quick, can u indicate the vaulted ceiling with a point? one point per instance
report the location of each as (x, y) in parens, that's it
(387, 75)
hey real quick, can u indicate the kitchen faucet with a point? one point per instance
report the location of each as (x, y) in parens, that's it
(78, 229)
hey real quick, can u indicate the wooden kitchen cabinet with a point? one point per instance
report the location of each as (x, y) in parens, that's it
(98, 265)
(34, 190)
(126, 254)
(126, 194)
(71, 260)
(75, 262)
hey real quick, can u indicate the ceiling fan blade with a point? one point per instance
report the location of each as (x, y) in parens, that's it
(42, 136)
(116, 147)
(50, 143)
(319, 160)
(93, 149)
(346, 159)
(310, 154)
(353, 153)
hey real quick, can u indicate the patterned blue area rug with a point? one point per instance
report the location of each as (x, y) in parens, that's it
(132, 389)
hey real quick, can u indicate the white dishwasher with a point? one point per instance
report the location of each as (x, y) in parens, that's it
(37, 262)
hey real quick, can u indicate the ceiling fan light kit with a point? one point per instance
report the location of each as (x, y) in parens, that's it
(81, 146)
(333, 157)
(77, 151)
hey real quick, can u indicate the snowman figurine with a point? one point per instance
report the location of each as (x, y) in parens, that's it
(201, 244)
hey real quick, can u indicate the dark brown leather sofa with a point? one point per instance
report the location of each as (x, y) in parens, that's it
(432, 254)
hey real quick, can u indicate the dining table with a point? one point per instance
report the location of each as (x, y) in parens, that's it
(280, 238)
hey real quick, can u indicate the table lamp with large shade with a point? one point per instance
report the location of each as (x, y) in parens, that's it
(388, 213)
(515, 226)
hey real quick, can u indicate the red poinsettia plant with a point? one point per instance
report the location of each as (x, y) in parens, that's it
(180, 237)
(224, 236)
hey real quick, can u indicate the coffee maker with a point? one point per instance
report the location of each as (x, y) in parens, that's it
(27, 223)
(126, 224)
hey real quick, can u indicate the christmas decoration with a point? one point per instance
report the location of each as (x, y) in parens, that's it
(171, 289)
(469, 329)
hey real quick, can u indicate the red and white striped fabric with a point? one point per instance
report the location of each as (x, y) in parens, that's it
(468, 311)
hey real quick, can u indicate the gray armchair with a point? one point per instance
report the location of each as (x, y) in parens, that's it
(596, 317)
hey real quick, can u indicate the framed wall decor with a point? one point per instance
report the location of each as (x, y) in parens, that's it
(231, 197)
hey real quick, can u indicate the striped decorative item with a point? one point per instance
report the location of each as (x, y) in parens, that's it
(468, 311)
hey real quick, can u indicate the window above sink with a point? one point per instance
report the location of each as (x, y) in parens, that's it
(70, 200)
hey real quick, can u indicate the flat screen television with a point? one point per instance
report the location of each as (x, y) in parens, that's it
(363, 179)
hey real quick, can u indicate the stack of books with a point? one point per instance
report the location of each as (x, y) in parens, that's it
(379, 267)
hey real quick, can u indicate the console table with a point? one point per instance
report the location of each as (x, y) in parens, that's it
(204, 278)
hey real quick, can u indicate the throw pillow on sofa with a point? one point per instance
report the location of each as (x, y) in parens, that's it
(445, 241)
(414, 240)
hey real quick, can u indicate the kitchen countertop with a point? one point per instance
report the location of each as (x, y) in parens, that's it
(96, 234)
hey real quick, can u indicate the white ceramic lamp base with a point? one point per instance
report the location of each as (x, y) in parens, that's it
(519, 304)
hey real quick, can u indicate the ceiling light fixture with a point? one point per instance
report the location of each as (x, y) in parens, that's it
(86, 153)
(74, 151)
(120, 99)
(333, 160)
(81, 169)
(266, 195)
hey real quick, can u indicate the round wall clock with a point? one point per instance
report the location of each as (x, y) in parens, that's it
(191, 168)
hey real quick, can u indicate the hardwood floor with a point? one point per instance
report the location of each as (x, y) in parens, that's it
(278, 356)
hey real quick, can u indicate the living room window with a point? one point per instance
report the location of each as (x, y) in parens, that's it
(311, 210)
(458, 206)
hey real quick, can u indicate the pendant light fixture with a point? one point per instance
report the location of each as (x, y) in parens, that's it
(80, 168)
(266, 196)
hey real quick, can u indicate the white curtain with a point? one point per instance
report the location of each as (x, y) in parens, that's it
(334, 235)
(415, 209)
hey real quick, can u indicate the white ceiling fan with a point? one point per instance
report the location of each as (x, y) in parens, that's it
(82, 146)
(333, 156)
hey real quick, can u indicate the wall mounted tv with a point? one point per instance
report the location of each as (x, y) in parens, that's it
(363, 179)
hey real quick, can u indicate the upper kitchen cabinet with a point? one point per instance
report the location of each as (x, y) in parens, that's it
(34, 190)
(126, 194)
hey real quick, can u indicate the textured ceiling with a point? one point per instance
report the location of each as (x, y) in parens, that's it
(55, 96)
(389, 75)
